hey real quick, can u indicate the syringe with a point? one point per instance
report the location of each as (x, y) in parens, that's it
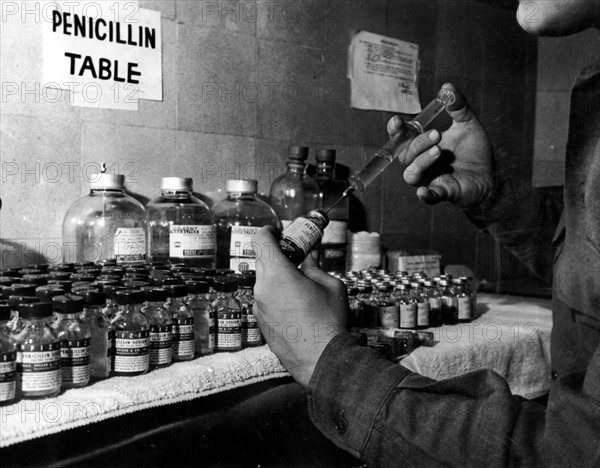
(398, 143)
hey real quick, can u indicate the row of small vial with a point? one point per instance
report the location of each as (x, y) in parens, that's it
(138, 338)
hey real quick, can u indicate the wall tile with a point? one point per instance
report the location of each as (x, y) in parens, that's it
(216, 82)
(166, 7)
(232, 15)
(40, 175)
(159, 114)
(299, 22)
(144, 155)
(212, 159)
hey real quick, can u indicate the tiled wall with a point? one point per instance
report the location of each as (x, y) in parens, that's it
(301, 57)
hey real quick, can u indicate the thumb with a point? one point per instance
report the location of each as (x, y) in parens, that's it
(310, 268)
(268, 254)
(433, 194)
(460, 111)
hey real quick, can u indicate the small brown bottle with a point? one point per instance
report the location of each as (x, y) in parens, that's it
(300, 237)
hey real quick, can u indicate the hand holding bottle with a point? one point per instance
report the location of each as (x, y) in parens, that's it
(457, 166)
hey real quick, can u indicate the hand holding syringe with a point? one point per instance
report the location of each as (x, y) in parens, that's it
(398, 143)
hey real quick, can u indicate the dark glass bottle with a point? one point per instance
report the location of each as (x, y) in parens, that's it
(229, 317)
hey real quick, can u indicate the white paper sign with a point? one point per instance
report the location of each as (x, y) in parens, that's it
(383, 72)
(108, 54)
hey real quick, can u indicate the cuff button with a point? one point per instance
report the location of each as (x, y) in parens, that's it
(341, 425)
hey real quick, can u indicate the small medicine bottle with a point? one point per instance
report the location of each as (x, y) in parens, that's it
(388, 309)
(8, 358)
(74, 336)
(370, 315)
(463, 301)
(38, 353)
(251, 336)
(132, 335)
(302, 235)
(449, 303)
(420, 299)
(183, 323)
(101, 334)
(205, 321)
(161, 328)
(407, 306)
(435, 303)
(229, 317)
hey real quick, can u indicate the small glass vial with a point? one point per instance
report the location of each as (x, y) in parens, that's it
(101, 334)
(463, 300)
(74, 336)
(388, 309)
(420, 299)
(251, 336)
(229, 317)
(356, 308)
(183, 323)
(407, 306)
(449, 303)
(370, 309)
(111, 308)
(434, 297)
(161, 328)
(38, 353)
(302, 235)
(8, 358)
(471, 290)
(205, 319)
(132, 335)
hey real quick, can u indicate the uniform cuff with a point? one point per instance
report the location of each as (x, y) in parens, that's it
(347, 390)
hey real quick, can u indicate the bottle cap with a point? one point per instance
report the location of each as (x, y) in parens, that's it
(222, 285)
(65, 284)
(10, 272)
(16, 301)
(177, 184)
(43, 267)
(46, 295)
(156, 294)
(169, 281)
(67, 304)
(129, 296)
(241, 186)
(320, 217)
(111, 290)
(298, 153)
(197, 287)
(83, 264)
(5, 312)
(107, 182)
(61, 267)
(94, 298)
(326, 156)
(18, 290)
(179, 290)
(35, 310)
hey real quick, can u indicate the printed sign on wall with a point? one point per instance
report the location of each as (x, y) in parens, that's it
(107, 53)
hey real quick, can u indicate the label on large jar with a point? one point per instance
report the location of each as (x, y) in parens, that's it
(388, 316)
(188, 241)
(130, 245)
(39, 366)
(75, 361)
(336, 232)
(303, 233)
(465, 309)
(161, 345)
(408, 315)
(229, 329)
(241, 253)
(250, 331)
(132, 351)
(423, 313)
(8, 376)
(183, 337)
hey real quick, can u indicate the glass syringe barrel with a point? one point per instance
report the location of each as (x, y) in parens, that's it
(397, 143)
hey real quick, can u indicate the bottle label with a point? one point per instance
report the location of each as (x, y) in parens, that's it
(39, 366)
(336, 232)
(229, 329)
(75, 361)
(132, 351)
(187, 241)
(183, 337)
(286, 222)
(423, 314)
(241, 254)
(212, 329)
(388, 316)
(303, 233)
(408, 315)
(130, 245)
(8, 376)
(250, 331)
(465, 310)
(161, 345)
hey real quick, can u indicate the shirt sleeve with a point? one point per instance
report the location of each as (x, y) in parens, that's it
(388, 416)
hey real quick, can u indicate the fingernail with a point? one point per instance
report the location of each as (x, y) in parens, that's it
(434, 151)
(434, 135)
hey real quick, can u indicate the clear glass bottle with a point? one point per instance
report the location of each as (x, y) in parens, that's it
(434, 297)
(106, 224)
(180, 228)
(229, 317)
(471, 289)
(463, 301)
(356, 308)
(205, 321)
(183, 323)
(370, 309)
(161, 327)
(8, 357)
(302, 235)
(132, 335)
(101, 334)
(333, 249)
(238, 217)
(449, 303)
(251, 336)
(418, 296)
(388, 308)
(38, 353)
(407, 307)
(74, 336)
(111, 308)
(294, 193)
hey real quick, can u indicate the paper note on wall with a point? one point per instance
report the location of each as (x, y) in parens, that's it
(383, 73)
(107, 54)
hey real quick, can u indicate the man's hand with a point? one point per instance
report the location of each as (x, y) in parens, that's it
(459, 167)
(299, 311)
